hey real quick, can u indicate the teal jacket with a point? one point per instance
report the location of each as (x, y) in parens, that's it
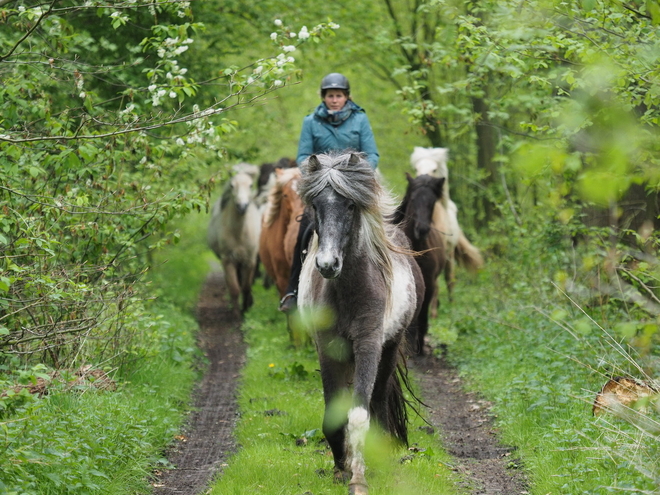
(349, 128)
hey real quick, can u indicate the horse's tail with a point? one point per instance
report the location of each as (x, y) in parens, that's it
(397, 411)
(468, 255)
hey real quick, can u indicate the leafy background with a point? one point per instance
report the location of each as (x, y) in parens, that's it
(119, 122)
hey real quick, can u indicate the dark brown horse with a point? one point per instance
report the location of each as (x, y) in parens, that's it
(360, 275)
(415, 215)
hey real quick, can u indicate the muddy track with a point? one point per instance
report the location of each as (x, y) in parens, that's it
(207, 440)
(461, 419)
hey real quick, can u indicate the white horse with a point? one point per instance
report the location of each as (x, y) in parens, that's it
(233, 234)
(433, 161)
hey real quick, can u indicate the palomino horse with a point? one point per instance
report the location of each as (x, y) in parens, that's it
(360, 272)
(279, 227)
(433, 161)
(415, 215)
(233, 234)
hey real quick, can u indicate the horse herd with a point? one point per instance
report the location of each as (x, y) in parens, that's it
(371, 264)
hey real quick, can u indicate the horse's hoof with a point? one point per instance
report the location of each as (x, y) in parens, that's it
(341, 476)
(358, 489)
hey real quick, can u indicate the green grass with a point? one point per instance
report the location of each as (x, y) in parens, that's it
(281, 401)
(541, 378)
(89, 441)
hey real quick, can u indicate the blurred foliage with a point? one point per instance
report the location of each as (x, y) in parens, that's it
(117, 119)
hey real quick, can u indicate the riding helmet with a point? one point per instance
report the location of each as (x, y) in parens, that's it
(335, 80)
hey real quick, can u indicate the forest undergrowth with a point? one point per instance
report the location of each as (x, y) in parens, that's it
(525, 337)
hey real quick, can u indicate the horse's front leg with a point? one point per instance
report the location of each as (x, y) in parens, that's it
(231, 278)
(367, 357)
(334, 375)
(246, 280)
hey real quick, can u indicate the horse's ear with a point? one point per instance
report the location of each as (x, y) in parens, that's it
(354, 159)
(313, 163)
(409, 177)
(437, 186)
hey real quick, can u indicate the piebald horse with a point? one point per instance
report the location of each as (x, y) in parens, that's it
(358, 270)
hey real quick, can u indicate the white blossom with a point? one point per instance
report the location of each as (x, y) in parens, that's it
(82, 94)
(180, 142)
(303, 34)
(152, 88)
(292, 35)
(289, 48)
(258, 70)
(273, 36)
(180, 50)
(277, 83)
(172, 94)
(129, 108)
(278, 22)
(333, 25)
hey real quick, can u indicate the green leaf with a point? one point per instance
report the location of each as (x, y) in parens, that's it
(654, 9)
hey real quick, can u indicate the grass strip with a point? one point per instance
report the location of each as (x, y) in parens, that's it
(281, 446)
(541, 378)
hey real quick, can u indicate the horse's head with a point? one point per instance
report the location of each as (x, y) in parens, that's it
(422, 194)
(241, 191)
(335, 217)
(430, 161)
(340, 189)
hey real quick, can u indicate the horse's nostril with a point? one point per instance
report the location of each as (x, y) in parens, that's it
(328, 267)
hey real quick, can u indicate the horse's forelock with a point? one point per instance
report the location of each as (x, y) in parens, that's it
(353, 179)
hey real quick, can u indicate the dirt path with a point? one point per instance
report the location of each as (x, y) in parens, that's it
(460, 418)
(463, 422)
(208, 440)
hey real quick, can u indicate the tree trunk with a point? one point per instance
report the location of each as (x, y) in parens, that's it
(485, 154)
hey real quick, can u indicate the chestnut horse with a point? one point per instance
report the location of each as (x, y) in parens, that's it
(279, 227)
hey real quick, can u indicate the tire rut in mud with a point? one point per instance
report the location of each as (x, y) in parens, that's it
(207, 440)
(466, 430)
